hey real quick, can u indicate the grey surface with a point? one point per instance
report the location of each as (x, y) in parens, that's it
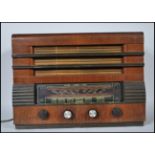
(8, 29)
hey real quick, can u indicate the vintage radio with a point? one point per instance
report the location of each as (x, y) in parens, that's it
(81, 79)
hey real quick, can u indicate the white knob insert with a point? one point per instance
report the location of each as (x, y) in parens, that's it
(92, 113)
(67, 114)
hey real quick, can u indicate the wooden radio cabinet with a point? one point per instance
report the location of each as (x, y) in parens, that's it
(81, 79)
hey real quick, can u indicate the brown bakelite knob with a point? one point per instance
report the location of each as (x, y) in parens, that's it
(117, 112)
(43, 114)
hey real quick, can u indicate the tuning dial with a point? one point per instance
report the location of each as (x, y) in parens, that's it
(43, 114)
(117, 112)
(92, 113)
(68, 114)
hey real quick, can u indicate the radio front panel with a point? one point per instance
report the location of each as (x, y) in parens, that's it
(78, 79)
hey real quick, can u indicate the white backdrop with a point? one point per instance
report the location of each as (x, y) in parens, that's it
(8, 29)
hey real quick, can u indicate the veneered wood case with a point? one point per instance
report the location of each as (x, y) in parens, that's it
(81, 79)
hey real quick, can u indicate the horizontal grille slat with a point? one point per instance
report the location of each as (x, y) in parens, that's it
(23, 95)
(134, 92)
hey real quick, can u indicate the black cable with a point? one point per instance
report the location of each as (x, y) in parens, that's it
(7, 120)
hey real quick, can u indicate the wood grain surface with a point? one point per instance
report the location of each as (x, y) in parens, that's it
(29, 114)
(131, 42)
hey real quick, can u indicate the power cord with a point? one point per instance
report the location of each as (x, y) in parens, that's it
(7, 120)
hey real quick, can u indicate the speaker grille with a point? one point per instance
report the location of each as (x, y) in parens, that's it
(134, 92)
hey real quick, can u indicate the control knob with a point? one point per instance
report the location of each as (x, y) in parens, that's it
(92, 113)
(68, 114)
(43, 114)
